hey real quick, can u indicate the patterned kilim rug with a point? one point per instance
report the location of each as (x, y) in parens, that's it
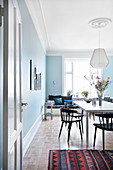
(80, 159)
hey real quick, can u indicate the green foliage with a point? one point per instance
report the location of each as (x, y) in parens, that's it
(101, 85)
(85, 94)
(69, 92)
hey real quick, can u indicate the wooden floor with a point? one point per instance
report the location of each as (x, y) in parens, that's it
(46, 138)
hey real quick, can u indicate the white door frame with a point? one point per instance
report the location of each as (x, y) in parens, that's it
(5, 86)
(6, 146)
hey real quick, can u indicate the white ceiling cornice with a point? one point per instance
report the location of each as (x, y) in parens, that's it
(39, 22)
(45, 28)
(78, 53)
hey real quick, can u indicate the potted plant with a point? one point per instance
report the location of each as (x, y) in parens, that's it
(85, 94)
(69, 92)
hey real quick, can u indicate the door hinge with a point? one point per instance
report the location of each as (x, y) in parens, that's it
(1, 14)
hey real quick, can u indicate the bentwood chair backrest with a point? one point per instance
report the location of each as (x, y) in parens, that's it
(68, 115)
(106, 121)
(105, 124)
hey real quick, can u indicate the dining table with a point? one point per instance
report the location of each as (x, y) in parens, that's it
(93, 108)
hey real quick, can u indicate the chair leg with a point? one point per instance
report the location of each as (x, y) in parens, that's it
(69, 129)
(94, 116)
(82, 112)
(80, 130)
(61, 129)
(103, 139)
(95, 136)
(51, 116)
(76, 124)
(82, 124)
(82, 121)
(45, 116)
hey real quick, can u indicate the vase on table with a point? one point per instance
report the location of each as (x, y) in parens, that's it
(100, 100)
(100, 94)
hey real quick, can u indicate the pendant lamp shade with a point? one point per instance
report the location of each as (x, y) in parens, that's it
(99, 59)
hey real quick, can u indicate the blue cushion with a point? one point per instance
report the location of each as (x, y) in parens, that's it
(58, 101)
(69, 101)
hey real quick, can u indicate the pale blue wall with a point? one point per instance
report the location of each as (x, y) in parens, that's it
(108, 72)
(1, 90)
(53, 72)
(31, 49)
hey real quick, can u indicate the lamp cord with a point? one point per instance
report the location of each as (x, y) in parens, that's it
(99, 37)
(99, 44)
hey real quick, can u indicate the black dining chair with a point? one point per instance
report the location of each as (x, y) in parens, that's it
(69, 116)
(105, 123)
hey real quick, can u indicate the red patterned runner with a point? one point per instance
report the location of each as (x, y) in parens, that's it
(80, 160)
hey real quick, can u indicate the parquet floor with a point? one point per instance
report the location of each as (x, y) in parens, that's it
(46, 138)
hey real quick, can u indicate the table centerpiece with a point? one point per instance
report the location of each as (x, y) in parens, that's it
(101, 86)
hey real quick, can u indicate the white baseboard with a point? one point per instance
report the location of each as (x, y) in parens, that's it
(30, 135)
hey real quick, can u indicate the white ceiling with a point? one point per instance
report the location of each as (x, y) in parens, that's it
(62, 25)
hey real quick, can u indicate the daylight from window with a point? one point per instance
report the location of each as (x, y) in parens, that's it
(79, 76)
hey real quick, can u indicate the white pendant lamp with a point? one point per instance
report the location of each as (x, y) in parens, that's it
(99, 57)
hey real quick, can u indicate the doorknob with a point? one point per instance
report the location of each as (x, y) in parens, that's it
(24, 104)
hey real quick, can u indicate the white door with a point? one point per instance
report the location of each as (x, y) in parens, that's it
(12, 116)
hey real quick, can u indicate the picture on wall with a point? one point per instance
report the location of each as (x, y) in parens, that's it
(35, 72)
(35, 83)
(31, 75)
(35, 79)
(39, 81)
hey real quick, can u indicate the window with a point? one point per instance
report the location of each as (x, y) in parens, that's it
(68, 76)
(74, 72)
